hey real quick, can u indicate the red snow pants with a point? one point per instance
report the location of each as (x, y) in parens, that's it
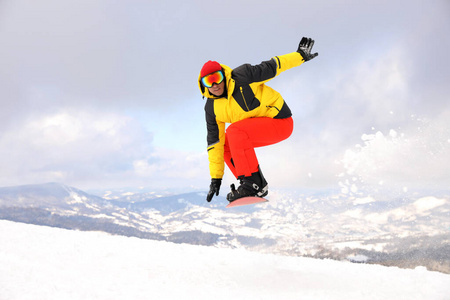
(242, 137)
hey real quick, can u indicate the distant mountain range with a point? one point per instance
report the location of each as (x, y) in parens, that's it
(403, 231)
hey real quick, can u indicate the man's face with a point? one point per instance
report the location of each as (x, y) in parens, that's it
(217, 89)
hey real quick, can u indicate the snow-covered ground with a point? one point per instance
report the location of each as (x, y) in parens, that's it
(48, 263)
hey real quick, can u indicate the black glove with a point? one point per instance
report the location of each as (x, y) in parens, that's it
(214, 187)
(305, 47)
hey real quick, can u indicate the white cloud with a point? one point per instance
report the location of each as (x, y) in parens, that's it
(86, 148)
(173, 165)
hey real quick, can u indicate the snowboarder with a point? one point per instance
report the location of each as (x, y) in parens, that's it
(258, 115)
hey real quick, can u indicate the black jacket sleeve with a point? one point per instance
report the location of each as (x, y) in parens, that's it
(247, 73)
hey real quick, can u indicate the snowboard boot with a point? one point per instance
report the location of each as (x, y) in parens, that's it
(251, 186)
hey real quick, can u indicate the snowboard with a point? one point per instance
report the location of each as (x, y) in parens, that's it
(246, 201)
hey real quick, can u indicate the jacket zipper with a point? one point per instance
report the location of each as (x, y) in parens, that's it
(268, 106)
(243, 97)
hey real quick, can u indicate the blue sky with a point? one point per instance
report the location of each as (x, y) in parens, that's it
(102, 94)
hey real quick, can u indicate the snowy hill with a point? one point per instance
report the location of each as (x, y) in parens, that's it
(408, 231)
(49, 263)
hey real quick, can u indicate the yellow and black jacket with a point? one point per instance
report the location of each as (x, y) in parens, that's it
(247, 96)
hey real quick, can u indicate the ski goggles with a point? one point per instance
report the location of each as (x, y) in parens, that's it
(209, 80)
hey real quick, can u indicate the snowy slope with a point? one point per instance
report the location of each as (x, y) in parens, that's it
(407, 231)
(49, 263)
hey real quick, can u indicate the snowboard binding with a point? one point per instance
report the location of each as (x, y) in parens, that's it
(251, 186)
